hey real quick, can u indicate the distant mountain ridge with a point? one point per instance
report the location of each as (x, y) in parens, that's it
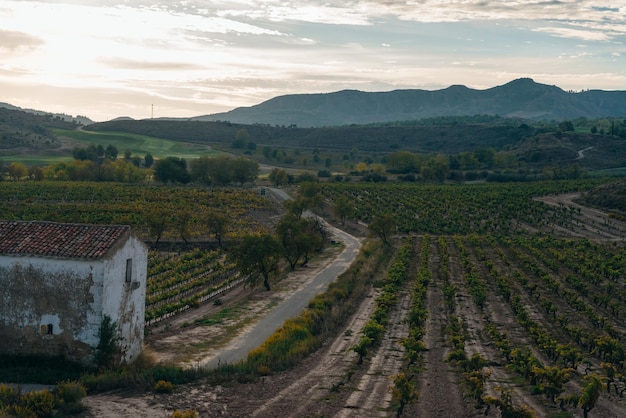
(521, 98)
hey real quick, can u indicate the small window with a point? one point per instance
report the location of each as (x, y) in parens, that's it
(129, 270)
(50, 329)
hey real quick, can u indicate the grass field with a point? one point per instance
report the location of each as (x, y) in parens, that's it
(138, 144)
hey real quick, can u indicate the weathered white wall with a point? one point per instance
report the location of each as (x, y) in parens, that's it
(73, 296)
(123, 301)
(40, 291)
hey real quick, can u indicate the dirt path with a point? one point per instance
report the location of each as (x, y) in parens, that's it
(589, 222)
(372, 396)
(439, 390)
(331, 371)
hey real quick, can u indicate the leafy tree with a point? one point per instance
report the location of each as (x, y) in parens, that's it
(244, 170)
(220, 170)
(111, 152)
(172, 169)
(183, 223)
(157, 220)
(566, 126)
(257, 256)
(382, 226)
(216, 222)
(241, 139)
(279, 177)
(199, 170)
(148, 160)
(17, 170)
(299, 237)
(343, 208)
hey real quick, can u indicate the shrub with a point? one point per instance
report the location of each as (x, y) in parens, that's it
(163, 386)
(40, 402)
(185, 414)
(8, 395)
(70, 392)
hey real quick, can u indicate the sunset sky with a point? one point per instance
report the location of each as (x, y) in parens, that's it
(110, 58)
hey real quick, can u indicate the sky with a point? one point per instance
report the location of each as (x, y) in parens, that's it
(109, 58)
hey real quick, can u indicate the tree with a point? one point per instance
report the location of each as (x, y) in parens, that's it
(111, 152)
(382, 226)
(199, 170)
(566, 126)
(220, 170)
(157, 220)
(17, 170)
(244, 170)
(216, 222)
(172, 169)
(183, 223)
(343, 209)
(148, 160)
(279, 177)
(299, 237)
(241, 139)
(257, 256)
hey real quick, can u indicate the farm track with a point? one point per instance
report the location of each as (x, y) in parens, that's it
(438, 385)
(331, 373)
(371, 396)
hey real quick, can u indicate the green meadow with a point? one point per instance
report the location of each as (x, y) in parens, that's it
(137, 144)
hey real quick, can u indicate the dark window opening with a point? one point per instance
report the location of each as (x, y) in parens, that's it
(129, 270)
(50, 329)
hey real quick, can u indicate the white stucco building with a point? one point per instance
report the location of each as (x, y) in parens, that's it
(59, 281)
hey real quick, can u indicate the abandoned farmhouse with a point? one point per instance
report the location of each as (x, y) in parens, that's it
(58, 282)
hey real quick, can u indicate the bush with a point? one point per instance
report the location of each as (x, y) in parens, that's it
(40, 402)
(69, 392)
(185, 414)
(163, 386)
(8, 395)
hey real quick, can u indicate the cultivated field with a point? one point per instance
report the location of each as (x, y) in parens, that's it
(496, 299)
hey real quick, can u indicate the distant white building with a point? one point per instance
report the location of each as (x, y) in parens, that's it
(58, 281)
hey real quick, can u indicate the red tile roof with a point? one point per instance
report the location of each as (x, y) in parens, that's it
(49, 239)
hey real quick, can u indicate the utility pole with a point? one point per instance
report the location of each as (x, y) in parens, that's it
(152, 113)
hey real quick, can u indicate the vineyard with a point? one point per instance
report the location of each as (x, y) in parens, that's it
(181, 212)
(529, 320)
(181, 281)
(501, 299)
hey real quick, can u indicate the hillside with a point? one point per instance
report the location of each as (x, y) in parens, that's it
(610, 198)
(534, 146)
(21, 129)
(522, 98)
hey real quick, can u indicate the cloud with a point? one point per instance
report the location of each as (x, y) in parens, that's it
(15, 41)
(123, 63)
(585, 35)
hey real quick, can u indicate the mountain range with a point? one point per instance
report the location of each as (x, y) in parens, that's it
(522, 98)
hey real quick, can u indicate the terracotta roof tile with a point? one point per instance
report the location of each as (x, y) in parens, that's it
(49, 239)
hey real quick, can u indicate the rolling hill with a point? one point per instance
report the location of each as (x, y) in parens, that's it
(522, 98)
